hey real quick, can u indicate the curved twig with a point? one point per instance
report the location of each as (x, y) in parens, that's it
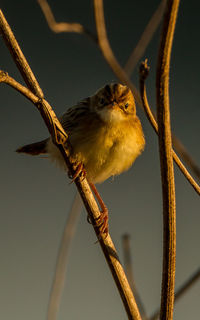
(59, 27)
(144, 70)
(145, 38)
(129, 272)
(166, 162)
(62, 259)
(59, 139)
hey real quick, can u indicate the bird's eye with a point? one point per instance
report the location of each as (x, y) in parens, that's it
(102, 101)
(126, 106)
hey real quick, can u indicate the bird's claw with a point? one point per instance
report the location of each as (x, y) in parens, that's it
(101, 223)
(79, 172)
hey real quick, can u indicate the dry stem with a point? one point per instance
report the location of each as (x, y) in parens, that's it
(129, 272)
(166, 162)
(59, 138)
(145, 38)
(144, 69)
(58, 27)
(62, 260)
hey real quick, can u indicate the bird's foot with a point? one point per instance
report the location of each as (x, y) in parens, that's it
(79, 172)
(102, 222)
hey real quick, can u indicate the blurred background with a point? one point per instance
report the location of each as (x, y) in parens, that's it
(36, 196)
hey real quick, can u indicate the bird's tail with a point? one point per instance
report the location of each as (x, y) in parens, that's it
(34, 149)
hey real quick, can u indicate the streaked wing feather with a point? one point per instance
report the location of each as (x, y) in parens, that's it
(72, 117)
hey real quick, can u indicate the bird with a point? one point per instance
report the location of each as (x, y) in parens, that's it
(105, 136)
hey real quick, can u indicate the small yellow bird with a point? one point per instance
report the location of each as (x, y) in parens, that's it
(105, 134)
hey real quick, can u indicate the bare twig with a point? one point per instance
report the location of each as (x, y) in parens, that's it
(166, 162)
(54, 126)
(58, 27)
(129, 272)
(144, 69)
(186, 156)
(59, 138)
(62, 259)
(122, 76)
(180, 292)
(145, 38)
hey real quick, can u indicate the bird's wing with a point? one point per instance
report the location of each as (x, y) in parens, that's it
(74, 116)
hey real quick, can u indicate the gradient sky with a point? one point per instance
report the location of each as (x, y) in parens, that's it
(36, 196)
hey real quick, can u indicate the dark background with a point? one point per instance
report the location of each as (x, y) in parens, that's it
(36, 196)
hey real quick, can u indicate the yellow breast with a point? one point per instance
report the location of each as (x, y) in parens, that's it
(108, 150)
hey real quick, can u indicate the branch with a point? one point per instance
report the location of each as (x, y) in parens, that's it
(145, 38)
(144, 70)
(55, 128)
(129, 273)
(59, 138)
(59, 27)
(183, 289)
(166, 162)
(62, 259)
(186, 156)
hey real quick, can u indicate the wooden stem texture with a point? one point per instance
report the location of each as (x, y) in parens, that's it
(166, 161)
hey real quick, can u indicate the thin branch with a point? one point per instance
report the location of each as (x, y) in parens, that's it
(144, 69)
(5, 78)
(166, 162)
(129, 272)
(121, 75)
(145, 38)
(54, 126)
(59, 27)
(62, 259)
(180, 292)
(91, 206)
(186, 156)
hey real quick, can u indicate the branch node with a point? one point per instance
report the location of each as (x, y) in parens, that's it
(144, 70)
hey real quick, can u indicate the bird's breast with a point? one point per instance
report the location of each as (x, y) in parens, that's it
(108, 150)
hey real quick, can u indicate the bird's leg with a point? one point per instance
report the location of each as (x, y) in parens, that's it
(103, 219)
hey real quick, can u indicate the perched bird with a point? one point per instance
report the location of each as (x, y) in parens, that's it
(105, 134)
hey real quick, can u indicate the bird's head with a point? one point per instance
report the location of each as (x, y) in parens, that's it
(114, 102)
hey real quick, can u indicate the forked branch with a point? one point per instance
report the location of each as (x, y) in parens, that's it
(59, 27)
